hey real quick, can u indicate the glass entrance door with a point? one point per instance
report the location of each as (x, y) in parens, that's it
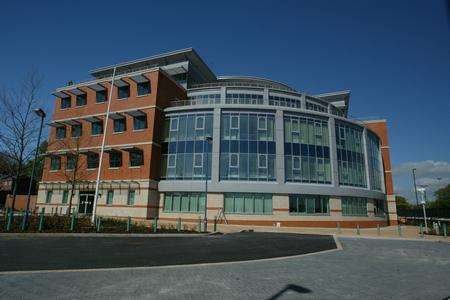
(86, 203)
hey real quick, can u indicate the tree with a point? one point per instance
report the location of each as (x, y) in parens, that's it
(19, 124)
(402, 203)
(442, 198)
(39, 163)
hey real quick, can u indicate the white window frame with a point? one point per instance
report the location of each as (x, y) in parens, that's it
(231, 121)
(196, 122)
(265, 122)
(298, 126)
(174, 161)
(259, 161)
(195, 155)
(171, 124)
(237, 160)
(299, 163)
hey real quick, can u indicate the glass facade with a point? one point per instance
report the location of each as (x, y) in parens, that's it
(350, 155)
(186, 152)
(249, 204)
(241, 98)
(354, 206)
(247, 146)
(205, 99)
(184, 202)
(306, 150)
(284, 101)
(60, 133)
(310, 105)
(373, 156)
(308, 204)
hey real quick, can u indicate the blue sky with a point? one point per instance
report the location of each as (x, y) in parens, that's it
(394, 56)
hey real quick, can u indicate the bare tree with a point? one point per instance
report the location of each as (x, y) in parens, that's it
(18, 124)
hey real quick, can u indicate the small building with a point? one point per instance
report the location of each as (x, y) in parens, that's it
(267, 153)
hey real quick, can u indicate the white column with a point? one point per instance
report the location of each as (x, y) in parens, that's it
(279, 140)
(215, 147)
(366, 159)
(333, 152)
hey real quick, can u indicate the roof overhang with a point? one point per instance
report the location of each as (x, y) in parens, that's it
(120, 83)
(92, 119)
(60, 94)
(77, 92)
(70, 122)
(97, 87)
(140, 78)
(56, 124)
(116, 116)
(136, 113)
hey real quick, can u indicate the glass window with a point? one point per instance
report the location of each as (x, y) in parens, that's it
(71, 162)
(92, 160)
(77, 130)
(174, 124)
(200, 122)
(234, 122)
(143, 88)
(115, 159)
(308, 204)
(131, 197)
(65, 103)
(140, 122)
(184, 202)
(262, 123)
(198, 160)
(247, 203)
(100, 96)
(354, 206)
(81, 100)
(65, 197)
(48, 198)
(234, 160)
(123, 92)
(97, 128)
(110, 197)
(55, 163)
(136, 158)
(120, 125)
(373, 156)
(60, 132)
(262, 161)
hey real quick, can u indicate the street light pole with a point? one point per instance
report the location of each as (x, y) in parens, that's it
(415, 186)
(423, 193)
(40, 112)
(208, 139)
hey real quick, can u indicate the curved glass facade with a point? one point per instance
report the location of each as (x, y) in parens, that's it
(373, 156)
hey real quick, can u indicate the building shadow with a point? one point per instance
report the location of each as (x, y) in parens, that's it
(291, 287)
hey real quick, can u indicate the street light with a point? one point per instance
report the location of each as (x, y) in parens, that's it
(208, 139)
(423, 192)
(415, 186)
(40, 113)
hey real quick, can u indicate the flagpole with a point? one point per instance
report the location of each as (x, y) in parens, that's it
(105, 127)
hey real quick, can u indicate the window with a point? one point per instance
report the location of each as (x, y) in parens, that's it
(120, 125)
(97, 128)
(48, 198)
(81, 100)
(198, 160)
(379, 207)
(55, 163)
(92, 160)
(246, 203)
(71, 162)
(140, 122)
(354, 206)
(123, 92)
(60, 133)
(296, 163)
(115, 159)
(77, 130)
(143, 88)
(200, 122)
(131, 196)
(136, 158)
(184, 202)
(262, 124)
(100, 96)
(262, 161)
(110, 197)
(234, 124)
(308, 204)
(65, 103)
(65, 196)
(234, 160)
(174, 124)
(172, 161)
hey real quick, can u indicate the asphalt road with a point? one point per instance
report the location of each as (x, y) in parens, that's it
(364, 269)
(20, 253)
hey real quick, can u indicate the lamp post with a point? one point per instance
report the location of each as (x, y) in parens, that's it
(415, 186)
(40, 112)
(208, 139)
(423, 192)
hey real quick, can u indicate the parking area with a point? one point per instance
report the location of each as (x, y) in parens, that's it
(364, 269)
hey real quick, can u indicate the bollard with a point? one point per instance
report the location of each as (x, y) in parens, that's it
(338, 227)
(444, 229)
(41, 219)
(199, 224)
(10, 220)
(357, 229)
(72, 222)
(215, 224)
(378, 230)
(421, 230)
(179, 224)
(399, 229)
(24, 221)
(99, 224)
(129, 224)
(155, 224)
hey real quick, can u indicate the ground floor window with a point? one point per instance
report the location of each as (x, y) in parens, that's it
(131, 196)
(354, 206)
(48, 197)
(308, 204)
(110, 197)
(184, 202)
(65, 196)
(246, 203)
(379, 207)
